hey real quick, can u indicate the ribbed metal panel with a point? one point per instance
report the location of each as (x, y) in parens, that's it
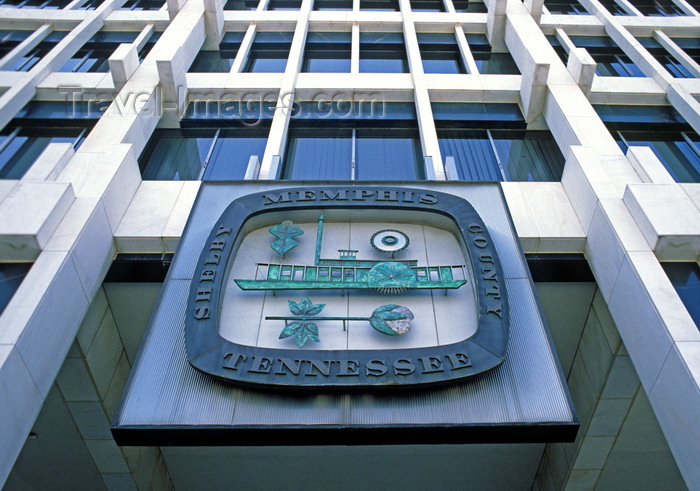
(166, 391)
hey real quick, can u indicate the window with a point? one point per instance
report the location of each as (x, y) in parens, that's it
(354, 141)
(90, 5)
(333, 5)
(489, 62)
(35, 4)
(241, 5)
(685, 278)
(473, 6)
(94, 55)
(284, 5)
(488, 142)
(613, 7)
(440, 53)
(269, 52)
(427, 6)
(32, 57)
(380, 5)
(382, 52)
(39, 123)
(565, 7)
(218, 61)
(9, 39)
(327, 52)
(215, 144)
(11, 276)
(142, 5)
(664, 8)
(20, 146)
(673, 66)
(662, 129)
(611, 60)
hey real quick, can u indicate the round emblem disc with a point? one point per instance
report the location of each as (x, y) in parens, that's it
(389, 241)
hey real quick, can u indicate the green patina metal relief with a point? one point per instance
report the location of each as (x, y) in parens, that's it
(348, 272)
(392, 320)
(285, 233)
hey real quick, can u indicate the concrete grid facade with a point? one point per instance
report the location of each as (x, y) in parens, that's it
(635, 369)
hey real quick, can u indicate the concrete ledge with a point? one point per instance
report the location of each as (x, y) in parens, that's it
(668, 219)
(31, 212)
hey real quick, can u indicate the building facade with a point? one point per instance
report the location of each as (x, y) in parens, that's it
(585, 113)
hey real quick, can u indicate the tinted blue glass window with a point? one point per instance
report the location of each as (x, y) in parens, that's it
(9, 39)
(221, 61)
(662, 129)
(685, 278)
(206, 154)
(474, 6)
(241, 5)
(488, 61)
(333, 5)
(565, 7)
(35, 4)
(344, 141)
(269, 52)
(382, 53)
(663, 8)
(142, 5)
(32, 57)
(175, 155)
(11, 276)
(319, 154)
(612, 61)
(613, 7)
(380, 5)
(665, 58)
(488, 142)
(440, 53)
(284, 5)
(21, 146)
(680, 156)
(94, 55)
(427, 5)
(327, 52)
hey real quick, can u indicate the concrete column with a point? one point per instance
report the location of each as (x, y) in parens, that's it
(465, 51)
(277, 138)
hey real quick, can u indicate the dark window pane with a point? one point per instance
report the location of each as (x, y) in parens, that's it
(613, 7)
(473, 6)
(382, 53)
(241, 5)
(11, 276)
(685, 278)
(495, 63)
(427, 5)
(327, 52)
(21, 149)
(232, 152)
(663, 8)
(333, 5)
(142, 5)
(440, 53)
(680, 157)
(175, 155)
(472, 153)
(381, 5)
(319, 154)
(565, 7)
(269, 52)
(395, 156)
(284, 5)
(529, 156)
(211, 62)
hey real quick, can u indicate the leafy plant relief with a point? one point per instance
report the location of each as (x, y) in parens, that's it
(392, 320)
(302, 329)
(285, 233)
